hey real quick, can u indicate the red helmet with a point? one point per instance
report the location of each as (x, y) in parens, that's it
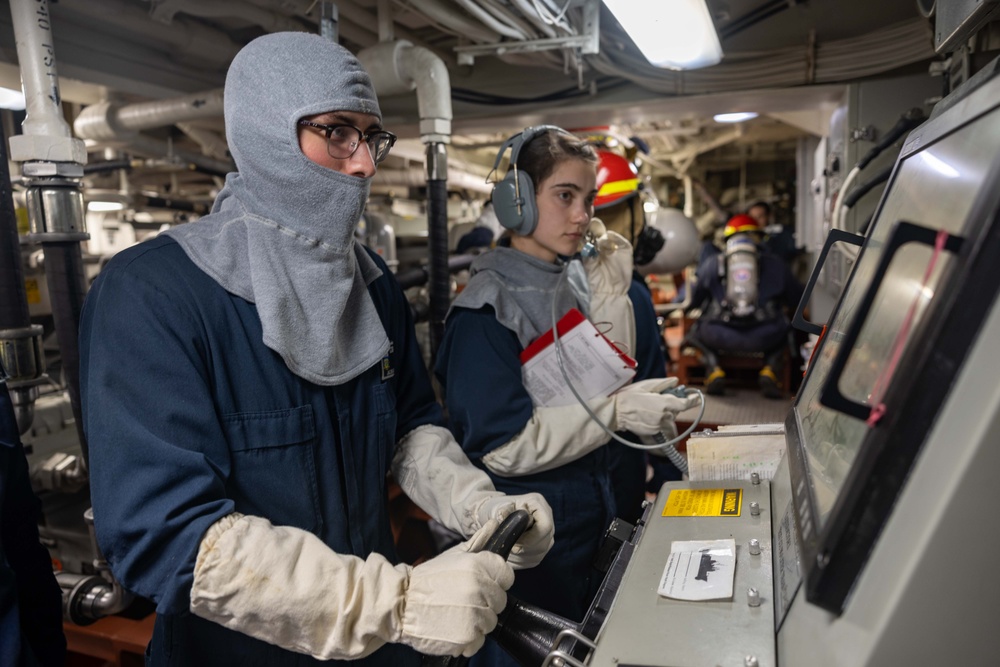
(617, 179)
(741, 223)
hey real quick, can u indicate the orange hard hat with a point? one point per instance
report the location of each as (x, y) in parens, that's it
(617, 179)
(741, 223)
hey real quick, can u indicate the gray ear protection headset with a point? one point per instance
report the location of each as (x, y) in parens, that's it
(514, 196)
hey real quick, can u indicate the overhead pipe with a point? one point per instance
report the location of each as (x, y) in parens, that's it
(490, 21)
(396, 68)
(462, 25)
(211, 48)
(52, 165)
(414, 178)
(511, 18)
(157, 148)
(111, 121)
(212, 144)
(164, 10)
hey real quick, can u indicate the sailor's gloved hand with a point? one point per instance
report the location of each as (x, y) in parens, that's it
(531, 547)
(452, 600)
(643, 410)
(284, 586)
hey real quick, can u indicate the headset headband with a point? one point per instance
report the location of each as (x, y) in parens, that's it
(516, 142)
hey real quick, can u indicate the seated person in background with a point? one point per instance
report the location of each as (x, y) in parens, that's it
(478, 237)
(742, 293)
(780, 240)
(486, 231)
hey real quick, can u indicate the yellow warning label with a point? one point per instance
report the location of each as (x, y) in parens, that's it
(704, 502)
(31, 287)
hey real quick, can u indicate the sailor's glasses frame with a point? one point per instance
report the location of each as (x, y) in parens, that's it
(342, 140)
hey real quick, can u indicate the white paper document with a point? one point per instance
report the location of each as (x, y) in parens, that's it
(594, 365)
(699, 570)
(723, 457)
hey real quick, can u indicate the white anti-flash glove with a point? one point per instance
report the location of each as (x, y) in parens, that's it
(284, 586)
(558, 435)
(531, 548)
(609, 275)
(642, 409)
(435, 473)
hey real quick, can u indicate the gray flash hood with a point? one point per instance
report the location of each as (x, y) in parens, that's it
(281, 232)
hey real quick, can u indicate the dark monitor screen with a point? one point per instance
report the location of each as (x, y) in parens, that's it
(945, 170)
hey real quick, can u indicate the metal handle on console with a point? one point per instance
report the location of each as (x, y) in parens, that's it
(555, 653)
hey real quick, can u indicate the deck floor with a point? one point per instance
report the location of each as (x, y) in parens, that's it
(737, 406)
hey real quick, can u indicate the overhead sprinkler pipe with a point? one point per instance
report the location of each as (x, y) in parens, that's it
(52, 165)
(397, 68)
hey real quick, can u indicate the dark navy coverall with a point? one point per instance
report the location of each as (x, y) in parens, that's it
(190, 417)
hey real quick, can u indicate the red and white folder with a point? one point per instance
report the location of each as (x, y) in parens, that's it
(594, 365)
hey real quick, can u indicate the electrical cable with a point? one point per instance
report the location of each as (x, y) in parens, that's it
(852, 197)
(546, 16)
(660, 443)
(476, 97)
(835, 61)
(754, 17)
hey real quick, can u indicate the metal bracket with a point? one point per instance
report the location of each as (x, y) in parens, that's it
(588, 41)
(867, 133)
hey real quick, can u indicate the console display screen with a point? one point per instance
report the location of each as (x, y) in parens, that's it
(934, 187)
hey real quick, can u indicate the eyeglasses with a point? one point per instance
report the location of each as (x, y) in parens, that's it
(343, 140)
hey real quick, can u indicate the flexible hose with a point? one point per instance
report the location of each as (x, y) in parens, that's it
(440, 282)
(857, 193)
(67, 288)
(906, 122)
(660, 443)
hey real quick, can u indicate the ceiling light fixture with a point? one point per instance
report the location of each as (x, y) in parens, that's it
(737, 117)
(673, 34)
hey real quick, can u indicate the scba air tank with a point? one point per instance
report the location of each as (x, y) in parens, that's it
(741, 275)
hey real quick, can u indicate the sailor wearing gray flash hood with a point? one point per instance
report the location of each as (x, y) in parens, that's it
(249, 379)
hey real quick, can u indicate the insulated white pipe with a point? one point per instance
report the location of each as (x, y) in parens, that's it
(212, 144)
(46, 136)
(109, 121)
(399, 67)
